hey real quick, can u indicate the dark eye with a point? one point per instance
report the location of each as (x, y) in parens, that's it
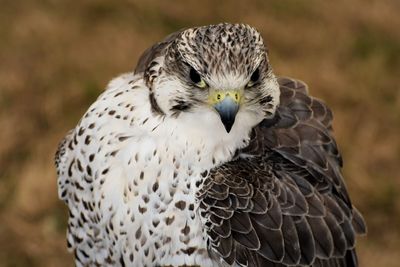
(254, 78)
(196, 78)
(194, 75)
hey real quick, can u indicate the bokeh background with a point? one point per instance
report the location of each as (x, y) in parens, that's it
(56, 56)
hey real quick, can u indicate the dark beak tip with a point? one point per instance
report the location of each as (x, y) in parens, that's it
(228, 128)
(228, 124)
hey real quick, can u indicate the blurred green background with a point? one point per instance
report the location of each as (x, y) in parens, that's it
(56, 56)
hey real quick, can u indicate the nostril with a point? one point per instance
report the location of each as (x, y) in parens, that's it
(218, 96)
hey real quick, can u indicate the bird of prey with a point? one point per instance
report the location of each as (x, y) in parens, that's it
(203, 157)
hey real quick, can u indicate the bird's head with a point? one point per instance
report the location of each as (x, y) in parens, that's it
(220, 73)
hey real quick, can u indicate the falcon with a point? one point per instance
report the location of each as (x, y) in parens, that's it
(203, 157)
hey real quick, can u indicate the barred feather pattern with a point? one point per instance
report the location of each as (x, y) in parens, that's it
(282, 201)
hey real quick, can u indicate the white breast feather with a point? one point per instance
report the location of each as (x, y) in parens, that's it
(130, 180)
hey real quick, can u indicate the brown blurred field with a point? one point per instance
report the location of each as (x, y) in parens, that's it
(56, 56)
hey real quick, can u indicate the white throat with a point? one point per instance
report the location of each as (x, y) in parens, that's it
(203, 135)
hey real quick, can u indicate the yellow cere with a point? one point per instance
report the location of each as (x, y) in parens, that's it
(219, 95)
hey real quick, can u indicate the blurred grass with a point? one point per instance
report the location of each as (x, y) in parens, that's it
(56, 57)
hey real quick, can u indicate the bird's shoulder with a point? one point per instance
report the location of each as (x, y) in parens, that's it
(115, 113)
(86, 158)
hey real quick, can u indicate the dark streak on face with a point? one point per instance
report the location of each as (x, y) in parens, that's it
(180, 105)
(265, 99)
(154, 105)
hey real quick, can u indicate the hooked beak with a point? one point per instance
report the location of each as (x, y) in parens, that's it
(227, 106)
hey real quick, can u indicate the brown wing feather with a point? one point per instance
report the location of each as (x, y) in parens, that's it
(285, 203)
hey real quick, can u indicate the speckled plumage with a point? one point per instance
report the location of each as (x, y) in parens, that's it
(152, 177)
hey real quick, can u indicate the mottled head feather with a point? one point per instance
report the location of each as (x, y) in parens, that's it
(220, 48)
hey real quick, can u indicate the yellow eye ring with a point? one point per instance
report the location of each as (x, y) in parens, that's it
(202, 84)
(250, 84)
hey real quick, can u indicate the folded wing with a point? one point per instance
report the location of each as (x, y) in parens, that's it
(283, 201)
